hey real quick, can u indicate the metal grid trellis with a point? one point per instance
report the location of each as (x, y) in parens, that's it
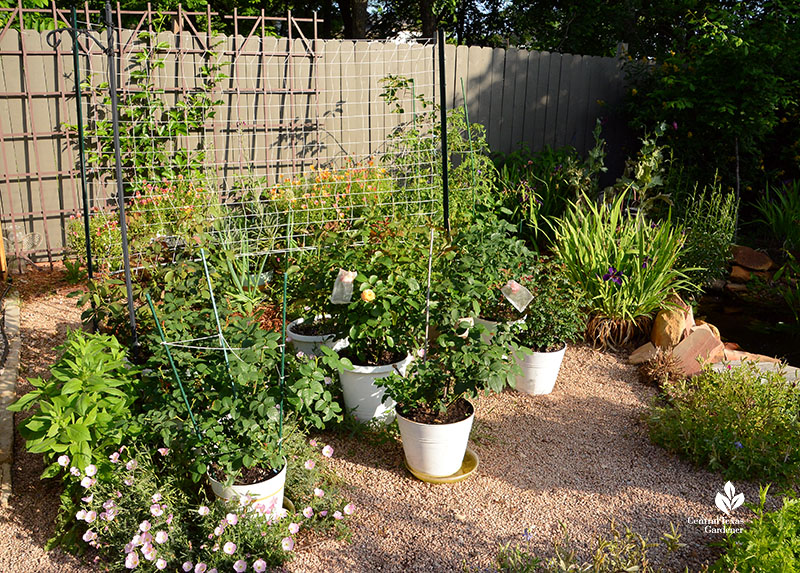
(291, 117)
(255, 140)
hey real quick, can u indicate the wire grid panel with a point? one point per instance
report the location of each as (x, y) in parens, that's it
(256, 141)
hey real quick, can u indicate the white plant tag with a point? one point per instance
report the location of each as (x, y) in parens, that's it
(517, 295)
(343, 287)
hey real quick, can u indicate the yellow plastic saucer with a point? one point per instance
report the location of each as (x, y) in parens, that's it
(468, 467)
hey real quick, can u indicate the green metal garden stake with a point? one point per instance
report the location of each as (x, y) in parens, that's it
(172, 364)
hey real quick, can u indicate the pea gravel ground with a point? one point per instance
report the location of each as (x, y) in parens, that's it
(571, 462)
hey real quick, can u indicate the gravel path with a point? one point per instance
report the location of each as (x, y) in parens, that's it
(578, 456)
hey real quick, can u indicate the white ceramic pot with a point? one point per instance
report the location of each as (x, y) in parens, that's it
(311, 344)
(539, 371)
(490, 326)
(435, 450)
(363, 396)
(268, 492)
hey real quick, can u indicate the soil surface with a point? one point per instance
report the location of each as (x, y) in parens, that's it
(321, 327)
(577, 458)
(458, 411)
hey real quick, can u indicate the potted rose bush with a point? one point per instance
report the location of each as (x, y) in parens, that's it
(434, 413)
(384, 322)
(552, 319)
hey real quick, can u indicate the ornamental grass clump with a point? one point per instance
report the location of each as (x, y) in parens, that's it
(741, 421)
(624, 264)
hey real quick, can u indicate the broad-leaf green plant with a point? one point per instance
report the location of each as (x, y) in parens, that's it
(82, 409)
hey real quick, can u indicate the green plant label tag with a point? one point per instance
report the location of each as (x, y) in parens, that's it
(343, 287)
(517, 295)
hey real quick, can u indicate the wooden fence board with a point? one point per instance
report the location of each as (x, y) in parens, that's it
(533, 97)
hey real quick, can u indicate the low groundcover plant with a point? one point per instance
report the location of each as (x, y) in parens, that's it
(139, 518)
(741, 421)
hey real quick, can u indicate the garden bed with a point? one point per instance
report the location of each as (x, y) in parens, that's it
(579, 456)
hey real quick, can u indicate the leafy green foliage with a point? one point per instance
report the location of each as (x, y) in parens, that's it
(780, 215)
(625, 265)
(643, 179)
(414, 157)
(387, 312)
(770, 543)
(483, 257)
(704, 88)
(740, 421)
(80, 411)
(235, 399)
(537, 187)
(709, 218)
(555, 316)
(146, 116)
(74, 272)
(460, 363)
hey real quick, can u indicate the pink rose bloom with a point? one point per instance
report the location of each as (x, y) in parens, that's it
(287, 543)
(308, 512)
(294, 528)
(318, 492)
(310, 464)
(349, 509)
(327, 451)
(229, 548)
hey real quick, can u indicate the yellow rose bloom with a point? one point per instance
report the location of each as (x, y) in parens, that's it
(368, 295)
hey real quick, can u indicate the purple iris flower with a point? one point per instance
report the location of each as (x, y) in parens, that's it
(613, 275)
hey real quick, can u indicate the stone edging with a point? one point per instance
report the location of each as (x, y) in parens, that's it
(8, 391)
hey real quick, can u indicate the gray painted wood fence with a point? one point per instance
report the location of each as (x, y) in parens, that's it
(281, 112)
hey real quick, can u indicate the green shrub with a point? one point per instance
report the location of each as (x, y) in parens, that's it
(770, 543)
(780, 215)
(740, 421)
(81, 410)
(537, 187)
(709, 217)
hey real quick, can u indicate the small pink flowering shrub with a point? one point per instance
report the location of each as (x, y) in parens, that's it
(139, 518)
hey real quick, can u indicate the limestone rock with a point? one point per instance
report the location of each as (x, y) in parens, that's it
(702, 344)
(735, 287)
(750, 258)
(714, 329)
(739, 274)
(643, 354)
(668, 328)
